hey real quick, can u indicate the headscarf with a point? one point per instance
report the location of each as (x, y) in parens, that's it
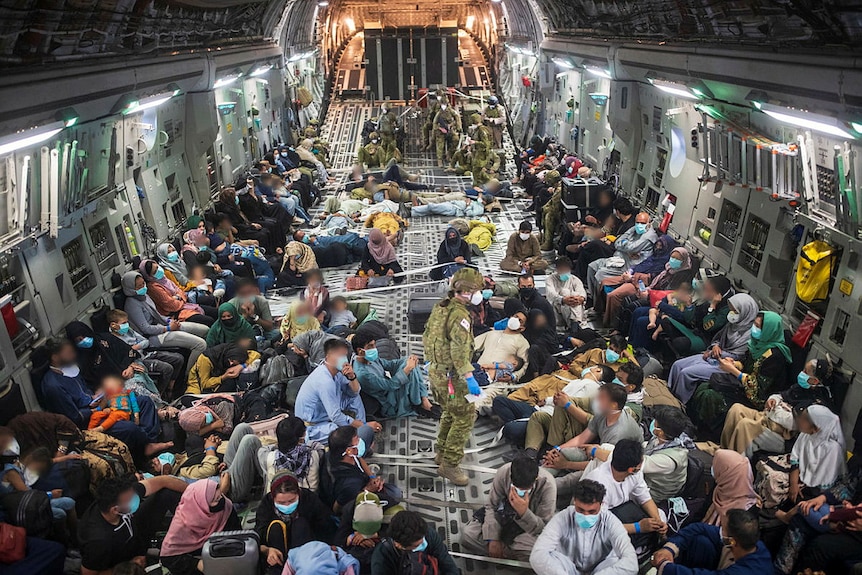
(221, 332)
(656, 263)
(178, 268)
(734, 486)
(820, 454)
(452, 243)
(91, 360)
(222, 354)
(189, 239)
(380, 248)
(193, 221)
(771, 336)
(193, 522)
(733, 338)
(290, 329)
(172, 288)
(304, 151)
(668, 271)
(312, 342)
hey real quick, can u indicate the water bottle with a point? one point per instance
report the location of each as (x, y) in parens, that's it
(641, 286)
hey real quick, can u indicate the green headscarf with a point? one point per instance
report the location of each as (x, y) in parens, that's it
(771, 336)
(238, 329)
(192, 222)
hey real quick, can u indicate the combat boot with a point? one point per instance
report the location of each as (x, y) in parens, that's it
(453, 473)
(438, 459)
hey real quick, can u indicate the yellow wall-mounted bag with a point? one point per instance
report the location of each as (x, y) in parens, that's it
(814, 272)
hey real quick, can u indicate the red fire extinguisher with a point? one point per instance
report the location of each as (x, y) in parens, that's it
(525, 80)
(669, 207)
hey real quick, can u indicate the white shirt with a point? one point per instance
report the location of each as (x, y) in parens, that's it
(632, 488)
(574, 388)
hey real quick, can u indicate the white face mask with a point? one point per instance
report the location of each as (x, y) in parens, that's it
(442, 106)
(13, 450)
(70, 371)
(476, 298)
(524, 236)
(732, 317)
(513, 324)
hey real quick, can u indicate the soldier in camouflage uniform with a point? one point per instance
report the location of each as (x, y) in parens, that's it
(448, 341)
(445, 129)
(552, 211)
(311, 130)
(478, 132)
(387, 125)
(485, 164)
(433, 108)
(495, 118)
(371, 155)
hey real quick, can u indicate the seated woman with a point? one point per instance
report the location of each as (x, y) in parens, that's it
(294, 455)
(161, 330)
(482, 314)
(452, 255)
(246, 229)
(290, 516)
(647, 328)
(626, 285)
(230, 326)
(297, 320)
(307, 157)
(692, 332)
(761, 372)
(379, 258)
(308, 347)
(170, 300)
(734, 486)
(271, 216)
(217, 369)
(747, 430)
(203, 510)
(316, 294)
(298, 260)
(731, 342)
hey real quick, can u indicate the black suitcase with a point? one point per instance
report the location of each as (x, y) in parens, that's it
(418, 312)
(580, 197)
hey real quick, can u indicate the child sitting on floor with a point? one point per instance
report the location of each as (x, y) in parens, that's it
(341, 319)
(115, 404)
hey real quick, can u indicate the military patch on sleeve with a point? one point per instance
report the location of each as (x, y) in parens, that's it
(465, 324)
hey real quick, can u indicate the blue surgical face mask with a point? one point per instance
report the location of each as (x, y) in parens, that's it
(617, 381)
(203, 248)
(585, 372)
(340, 362)
(300, 320)
(674, 263)
(652, 427)
(422, 546)
(565, 277)
(306, 240)
(209, 418)
(611, 356)
(167, 458)
(141, 291)
(160, 274)
(640, 229)
(134, 503)
(521, 492)
(756, 332)
(487, 293)
(124, 328)
(173, 257)
(287, 509)
(803, 379)
(586, 521)
(371, 354)
(236, 200)
(360, 448)
(86, 343)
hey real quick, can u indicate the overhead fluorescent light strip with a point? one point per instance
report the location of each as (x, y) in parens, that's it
(809, 121)
(600, 72)
(27, 138)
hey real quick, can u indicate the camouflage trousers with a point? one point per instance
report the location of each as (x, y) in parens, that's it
(458, 417)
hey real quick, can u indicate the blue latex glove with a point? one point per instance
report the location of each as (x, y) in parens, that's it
(473, 385)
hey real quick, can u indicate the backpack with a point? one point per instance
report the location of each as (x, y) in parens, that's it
(817, 261)
(656, 392)
(772, 482)
(698, 479)
(29, 509)
(106, 457)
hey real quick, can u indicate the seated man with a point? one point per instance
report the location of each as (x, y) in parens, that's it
(538, 395)
(523, 253)
(412, 542)
(349, 474)
(329, 397)
(631, 377)
(702, 549)
(628, 495)
(523, 498)
(532, 299)
(584, 539)
(396, 383)
(119, 525)
(630, 249)
(617, 353)
(566, 293)
(255, 308)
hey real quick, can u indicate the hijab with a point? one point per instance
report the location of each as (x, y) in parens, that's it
(452, 243)
(304, 151)
(543, 336)
(669, 271)
(657, 262)
(90, 360)
(771, 336)
(193, 521)
(379, 248)
(289, 327)
(178, 268)
(222, 332)
(193, 221)
(222, 354)
(189, 239)
(733, 338)
(128, 284)
(734, 485)
(170, 286)
(820, 454)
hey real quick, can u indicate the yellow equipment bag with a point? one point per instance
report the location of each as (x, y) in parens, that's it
(304, 96)
(814, 272)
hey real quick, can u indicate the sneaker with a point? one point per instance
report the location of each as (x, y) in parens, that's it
(454, 474)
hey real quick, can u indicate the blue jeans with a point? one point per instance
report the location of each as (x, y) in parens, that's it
(638, 334)
(263, 273)
(62, 505)
(511, 411)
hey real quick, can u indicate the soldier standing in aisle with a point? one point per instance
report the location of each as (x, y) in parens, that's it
(448, 341)
(495, 118)
(445, 128)
(427, 133)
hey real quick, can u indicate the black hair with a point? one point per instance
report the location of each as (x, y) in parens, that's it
(109, 491)
(339, 440)
(616, 393)
(524, 471)
(407, 527)
(244, 282)
(525, 226)
(624, 206)
(627, 453)
(720, 284)
(525, 276)
(635, 374)
(331, 344)
(41, 455)
(743, 526)
(55, 345)
(313, 272)
(338, 298)
(361, 339)
(563, 261)
(296, 232)
(288, 432)
(823, 370)
(588, 491)
(671, 420)
(618, 341)
(608, 373)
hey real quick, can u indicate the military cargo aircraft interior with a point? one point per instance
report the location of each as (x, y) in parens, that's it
(396, 288)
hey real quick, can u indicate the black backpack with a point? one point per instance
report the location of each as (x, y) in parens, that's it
(29, 509)
(698, 479)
